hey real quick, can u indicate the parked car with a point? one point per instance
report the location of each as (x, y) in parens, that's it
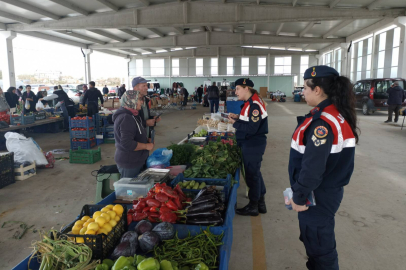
(371, 94)
(35, 87)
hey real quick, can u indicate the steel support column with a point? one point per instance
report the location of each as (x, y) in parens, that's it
(6, 49)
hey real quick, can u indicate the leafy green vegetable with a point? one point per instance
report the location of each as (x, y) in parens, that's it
(182, 154)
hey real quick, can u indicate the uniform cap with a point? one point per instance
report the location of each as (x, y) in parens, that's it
(320, 72)
(244, 82)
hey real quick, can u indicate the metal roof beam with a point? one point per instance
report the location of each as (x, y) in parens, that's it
(109, 4)
(307, 29)
(279, 29)
(337, 28)
(146, 17)
(107, 35)
(371, 29)
(374, 4)
(334, 3)
(179, 30)
(145, 2)
(156, 32)
(71, 6)
(132, 33)
(294, 3)
(15, 17)
(148, 50)
(130, 51)
(54, 39)
(76, 35)
(215, 39)
(31, 8)
(113, 53)
(3, 26)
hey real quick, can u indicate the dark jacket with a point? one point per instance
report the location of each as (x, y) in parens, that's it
(146, 117)
(62, 96)
(396, 95)
(199, 91)
(213, 92)
(105, 90)
(32, 103)
(92, 95)
(121, 91)
(12, 99)
(128, 132)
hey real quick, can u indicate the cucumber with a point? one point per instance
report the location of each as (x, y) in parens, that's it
(196, 186)
(202, 185)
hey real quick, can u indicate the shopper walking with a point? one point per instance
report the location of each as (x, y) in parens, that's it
(66, 104)
(12, 99)
(105, 90)
(199, 92)
(121, 91)
(4, 107)
(322, 161)
(132, 146)
(91, 97)
(214, 97)
(252, 127)
(395, 100)
(28, 97)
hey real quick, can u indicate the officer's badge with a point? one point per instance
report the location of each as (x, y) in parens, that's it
(314, 72)
(255, 112)
(318, 142)
(320, 132)
(244, 82)
(255, 119)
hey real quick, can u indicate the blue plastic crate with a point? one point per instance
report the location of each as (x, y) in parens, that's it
(86, 123)
(234, 106)
(86, 134)
(108, 135)
(22, 119)
(99, 141)
(84, 145)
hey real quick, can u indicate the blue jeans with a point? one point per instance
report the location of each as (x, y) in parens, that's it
(130, 173)
(214, 102)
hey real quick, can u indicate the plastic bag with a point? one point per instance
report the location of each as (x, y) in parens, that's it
(160, 158)
(27, 105)
(25, 149)
(39, 106)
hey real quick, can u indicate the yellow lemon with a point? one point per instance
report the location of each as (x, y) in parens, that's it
(79, 223)
(90, 220)
(85, 218)
(76, 229)
(112, 214)
(118, 208)
(102, 230)
(113, 223)
(105, 210)
(117, 218)
(107, 227)
(93, 226)
(93, 232)
(82, 231)
(86, 224)
(96, 214)
(100, 221)
(110, 206)
(106, 216)
(80, 240)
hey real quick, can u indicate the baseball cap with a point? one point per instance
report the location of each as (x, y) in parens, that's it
(138, 80)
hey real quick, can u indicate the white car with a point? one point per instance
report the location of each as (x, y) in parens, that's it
(73, 94)
(35, 87)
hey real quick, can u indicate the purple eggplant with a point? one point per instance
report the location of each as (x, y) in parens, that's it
(205, 221)
(198, 215)
(200, 207)
(205, 199)
(206, 191)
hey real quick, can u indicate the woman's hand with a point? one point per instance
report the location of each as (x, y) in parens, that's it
(297, 208)
(157, 119)
(231, 120)
(233, 115)
(150, 146)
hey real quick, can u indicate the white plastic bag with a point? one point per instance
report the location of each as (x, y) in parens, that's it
(27, 105)
(25, 149)
(39, 106)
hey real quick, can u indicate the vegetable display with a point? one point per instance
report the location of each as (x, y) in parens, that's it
(182, 154)
(202, 133)
(192, 184)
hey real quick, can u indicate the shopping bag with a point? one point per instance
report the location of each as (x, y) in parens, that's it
(39, 106)
(25, 149)
(160, 158)
(27, 105)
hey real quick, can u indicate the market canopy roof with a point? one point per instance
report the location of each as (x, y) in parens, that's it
(223, 27)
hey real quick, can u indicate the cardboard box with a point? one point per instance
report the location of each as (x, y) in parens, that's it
(263, 91)
(108, 103)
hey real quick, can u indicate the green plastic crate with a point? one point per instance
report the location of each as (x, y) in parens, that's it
(84, 156)
(109, 140)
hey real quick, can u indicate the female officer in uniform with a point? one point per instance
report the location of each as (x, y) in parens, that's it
(322, 161)
(252, 127)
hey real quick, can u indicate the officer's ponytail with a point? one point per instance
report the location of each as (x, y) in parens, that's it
(339, 92)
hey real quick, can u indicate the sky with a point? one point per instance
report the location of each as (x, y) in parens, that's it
(32, 54)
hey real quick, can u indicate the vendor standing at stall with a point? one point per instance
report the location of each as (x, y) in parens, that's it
(91, 97)
(29, 97)
(132, 146)
(322, 161)
(252, 127)
(66, 104)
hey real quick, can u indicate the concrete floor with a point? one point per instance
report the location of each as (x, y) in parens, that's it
(370, 225)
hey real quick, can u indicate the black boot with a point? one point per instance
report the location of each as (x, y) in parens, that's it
(250, 209)
(262, 205)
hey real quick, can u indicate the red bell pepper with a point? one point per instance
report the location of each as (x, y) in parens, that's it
(129, 218)
(131, 211)
(139, 216)
(146, 209)
(169, 217)
(178, 203)
(161, 197)
(153, 203)
(151, 193)
(164, 209)
(180, 193)
(152, 219)
(158, 188)
(154, 215)
(171, 205)
(169, 192)
(154, 209)
(140, 205)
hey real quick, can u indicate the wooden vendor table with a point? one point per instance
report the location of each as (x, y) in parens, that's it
(36, 123)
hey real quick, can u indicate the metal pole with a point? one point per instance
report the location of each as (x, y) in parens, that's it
(84, 58)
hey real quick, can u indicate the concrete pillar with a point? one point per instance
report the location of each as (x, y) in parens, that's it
(6, 48)
(128, 79)
(401, 22)
(88, 52)
(345, 59)
(170, 70)
(319, 59)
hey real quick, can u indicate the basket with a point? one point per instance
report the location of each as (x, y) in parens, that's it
(84, 156)
(6, 169)
(101, 245)
(84, 145)
(86, 134)
(40, 116)
(22, 173)
(225, 183)
(85, 123)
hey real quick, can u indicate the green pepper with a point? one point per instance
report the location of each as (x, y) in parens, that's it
(129, 267)
(149, 264)
(120, 263)
(131, 260)
(202, 185)
(109, 262)
(185, 268)
(138, 259)
(201, 266)
(166, 265)
(102, 266)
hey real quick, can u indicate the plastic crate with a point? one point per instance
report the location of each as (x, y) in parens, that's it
(226, 183)
(86, 123)
(84, 156)
(234, 106)
(40, 116)
(6, 169)
(22, 173)
(101, 245)
(22, 120)
(99, 141)
(107, 127)
(108, 135)
(106, 140)
(86, 134)
(84, 145)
